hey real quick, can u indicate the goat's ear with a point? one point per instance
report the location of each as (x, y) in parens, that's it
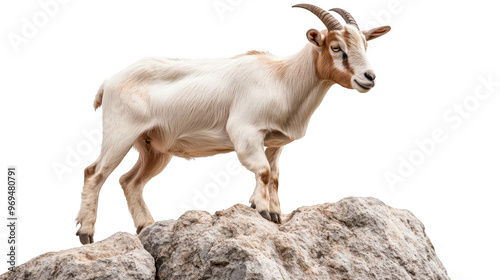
(315, 37)
(376, 32)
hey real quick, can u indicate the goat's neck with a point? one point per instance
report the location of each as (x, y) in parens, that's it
(305, 90)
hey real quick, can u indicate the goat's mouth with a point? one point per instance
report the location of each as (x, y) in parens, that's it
(363, 87)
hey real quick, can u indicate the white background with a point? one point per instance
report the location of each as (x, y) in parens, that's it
(432, 60)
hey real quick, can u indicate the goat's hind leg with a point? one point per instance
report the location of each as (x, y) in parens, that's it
(149, 164)
(112, 153)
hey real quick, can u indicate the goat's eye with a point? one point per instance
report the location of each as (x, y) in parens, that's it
(335, 49)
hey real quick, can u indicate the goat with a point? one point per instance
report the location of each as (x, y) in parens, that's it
(253, 104)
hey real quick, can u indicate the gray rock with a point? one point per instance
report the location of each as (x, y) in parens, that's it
(355, 238)
(121, 256)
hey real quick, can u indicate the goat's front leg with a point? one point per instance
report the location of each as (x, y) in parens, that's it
(272, 154)
(249, 146)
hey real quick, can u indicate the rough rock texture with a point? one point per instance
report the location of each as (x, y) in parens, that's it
(121, 256)
(356, 238)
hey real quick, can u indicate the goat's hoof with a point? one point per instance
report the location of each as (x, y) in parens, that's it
(265, 215)
(139, 229)
(276, 218)
(85, 238)
(253, 206)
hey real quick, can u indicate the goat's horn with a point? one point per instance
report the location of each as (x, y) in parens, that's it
(330, 22)
(349, 19)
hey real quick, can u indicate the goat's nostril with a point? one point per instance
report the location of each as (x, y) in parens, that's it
(370, 75)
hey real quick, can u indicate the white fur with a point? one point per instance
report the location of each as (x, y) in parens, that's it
(194, 108)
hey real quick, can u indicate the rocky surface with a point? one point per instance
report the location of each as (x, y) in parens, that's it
(355, 238)
(121, 256)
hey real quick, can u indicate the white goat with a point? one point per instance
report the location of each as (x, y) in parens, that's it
(196, 108)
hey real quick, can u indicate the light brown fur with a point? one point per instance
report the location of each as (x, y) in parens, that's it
(149, 164)
(325, 66)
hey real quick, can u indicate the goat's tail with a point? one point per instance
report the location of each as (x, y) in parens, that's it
(98, 96)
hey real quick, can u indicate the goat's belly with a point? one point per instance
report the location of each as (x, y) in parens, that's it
(186, 149)
(205, 143)
(190, 146)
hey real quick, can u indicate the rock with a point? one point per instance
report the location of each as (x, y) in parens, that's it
(121, 256)
(355, 238)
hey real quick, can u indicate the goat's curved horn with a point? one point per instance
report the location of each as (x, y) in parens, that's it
(330, 22)
(349, 19)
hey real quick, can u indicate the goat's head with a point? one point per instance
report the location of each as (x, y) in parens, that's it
(341, 50)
